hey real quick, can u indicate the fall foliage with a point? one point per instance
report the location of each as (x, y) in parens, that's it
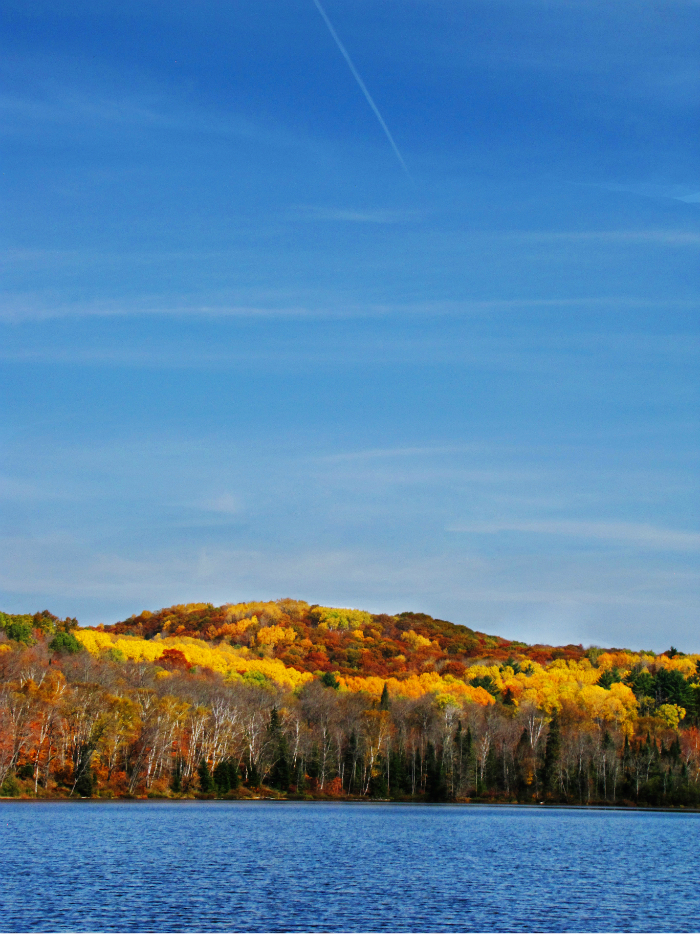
(285, 698)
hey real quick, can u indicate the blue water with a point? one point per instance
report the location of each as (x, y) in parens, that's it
(264, 866)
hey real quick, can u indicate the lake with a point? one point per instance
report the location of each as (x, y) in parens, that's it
(268, 866)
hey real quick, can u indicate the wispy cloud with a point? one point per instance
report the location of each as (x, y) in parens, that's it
(689, 194)
(226, 504)
(13, 489)
(357, 216)
(47, 105)
(669, 237)
(19, 307)
(628, 533)
(401, 452)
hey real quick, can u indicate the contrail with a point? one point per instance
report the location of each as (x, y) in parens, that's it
(361, 83)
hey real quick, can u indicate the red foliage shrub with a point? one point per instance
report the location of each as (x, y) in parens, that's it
(456, 669)
(334, 788)
(174, 658)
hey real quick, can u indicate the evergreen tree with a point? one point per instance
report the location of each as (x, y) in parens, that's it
(552, 752)
(350, 764)
(176, 776)
(397, 773)
(417, 776)
(522, 758)
(221, 778)
(609, 677)
(85, 784)
(253, 775)
(206, 783)
(280, 775)
(459, 757)
(470, 761)
(407, 760)
(274, 727)
(385, 703)
(226, 776)
(491, 770)
(672, 688)
(435, 785)
(693, 707)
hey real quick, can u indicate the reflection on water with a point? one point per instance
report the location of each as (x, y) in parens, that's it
(264, 866)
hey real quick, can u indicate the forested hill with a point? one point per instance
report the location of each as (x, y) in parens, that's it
(284, 697)
(350, 642)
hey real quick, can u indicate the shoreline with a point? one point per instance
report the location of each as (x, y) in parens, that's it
(549, 806)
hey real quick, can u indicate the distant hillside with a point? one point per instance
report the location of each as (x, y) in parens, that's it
(350, 642)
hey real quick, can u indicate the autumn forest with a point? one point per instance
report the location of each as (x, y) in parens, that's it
(284, 699)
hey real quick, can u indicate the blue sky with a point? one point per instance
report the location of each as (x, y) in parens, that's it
(245, 355)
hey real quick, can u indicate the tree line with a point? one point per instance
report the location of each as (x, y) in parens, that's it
(74, 723)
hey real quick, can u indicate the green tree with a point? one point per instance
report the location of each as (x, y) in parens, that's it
(234, 774)
(609, 677)
(552, 752)
(329, 680)
(458, 769)
(10, 787)
(85, 785)
(469, 761)
(274, 727)
(350, 764)
(397, 773)
(221, 779)
(694, 705)
(523, 757)
(83, 778)
(417, 772)
(176, 776)
(642, 683)
(435, 784)
(280, 774)
(487, 683)
(226, 776)
(19, 631)
(492, 773)
(206, 783)
(65, 643)
(672, 688)
(253, 775)
(385, 703)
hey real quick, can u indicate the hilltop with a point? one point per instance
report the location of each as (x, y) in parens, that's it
(348, 641)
